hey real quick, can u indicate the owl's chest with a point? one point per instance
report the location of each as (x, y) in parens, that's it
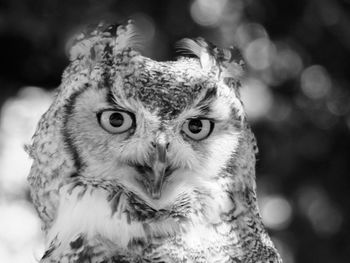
(179, 239)
(122, 226)
(200, 244)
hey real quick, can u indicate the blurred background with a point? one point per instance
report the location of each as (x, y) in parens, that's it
(296, 93)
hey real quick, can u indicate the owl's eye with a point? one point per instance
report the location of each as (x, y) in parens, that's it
(198, 129)
(115, 121)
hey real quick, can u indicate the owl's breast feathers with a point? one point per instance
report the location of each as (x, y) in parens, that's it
(92, 215)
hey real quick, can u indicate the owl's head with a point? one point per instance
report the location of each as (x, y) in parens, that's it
(156, 129)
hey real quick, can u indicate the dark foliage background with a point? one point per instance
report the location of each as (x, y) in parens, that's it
(297, 94)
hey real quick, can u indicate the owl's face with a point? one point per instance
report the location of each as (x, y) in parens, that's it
(157, 129)
(151, 160)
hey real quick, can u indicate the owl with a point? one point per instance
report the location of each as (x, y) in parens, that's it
(144, 161)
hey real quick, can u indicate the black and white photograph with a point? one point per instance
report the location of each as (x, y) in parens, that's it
(178, 131)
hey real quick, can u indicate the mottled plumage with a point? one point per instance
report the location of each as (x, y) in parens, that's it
(145, 161)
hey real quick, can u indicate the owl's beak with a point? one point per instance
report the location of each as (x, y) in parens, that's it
(159, 167)
(153, 174)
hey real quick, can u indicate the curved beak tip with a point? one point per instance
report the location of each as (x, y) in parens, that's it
(156, 194)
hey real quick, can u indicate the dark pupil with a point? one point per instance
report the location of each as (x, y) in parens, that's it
(195, 126)
(116, 119)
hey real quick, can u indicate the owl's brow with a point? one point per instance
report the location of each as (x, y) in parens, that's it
(204, 103)
(111, 100)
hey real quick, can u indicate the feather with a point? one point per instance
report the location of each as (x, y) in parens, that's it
(199, 48)
(114, 38)
(128, 37)
(227, 62)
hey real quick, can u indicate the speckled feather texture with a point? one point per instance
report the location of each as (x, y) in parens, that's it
(154, 192)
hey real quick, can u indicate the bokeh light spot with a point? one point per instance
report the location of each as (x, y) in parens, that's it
(323, 215)
(280, 110)
(330, 13)
(247, 32)
(257, 98)
(276, 212)
(315, 82)
(287, 63)
(20, 238)
(259, 53)
(19, 117)
(207, 12)
(338, 101)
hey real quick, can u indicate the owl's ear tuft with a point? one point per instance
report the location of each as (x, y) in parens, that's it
(199, 48)
(96, 42)
(228, 63)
